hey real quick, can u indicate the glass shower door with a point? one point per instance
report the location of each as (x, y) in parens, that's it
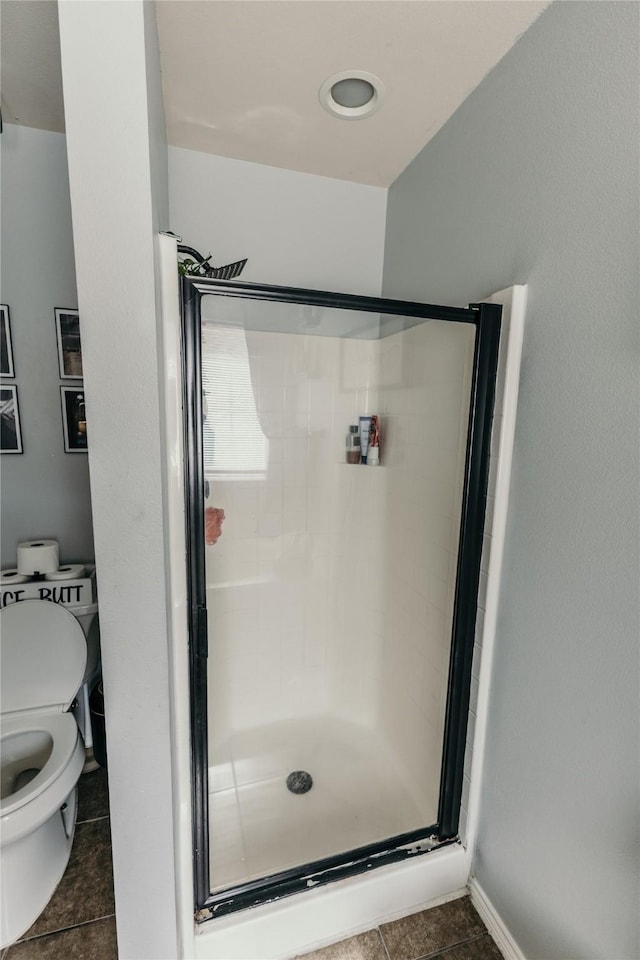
(330, 587)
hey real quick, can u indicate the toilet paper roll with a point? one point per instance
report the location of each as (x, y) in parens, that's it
(9, 577)
(37, 557)
(70, 571)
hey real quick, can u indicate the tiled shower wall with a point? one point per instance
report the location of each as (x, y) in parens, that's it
(330, 588)
(277, 573)
(425, 376)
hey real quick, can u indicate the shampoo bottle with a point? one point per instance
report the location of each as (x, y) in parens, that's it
(365, 427)
(373, 456)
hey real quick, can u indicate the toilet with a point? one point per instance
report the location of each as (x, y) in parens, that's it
(43, 654)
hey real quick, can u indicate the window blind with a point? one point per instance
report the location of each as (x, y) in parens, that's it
(233, 441)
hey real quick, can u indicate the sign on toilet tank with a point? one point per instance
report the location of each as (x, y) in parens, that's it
(69, 593)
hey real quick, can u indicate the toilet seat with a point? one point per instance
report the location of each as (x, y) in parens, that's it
(63, 730)
(44, 655)
(22, 812)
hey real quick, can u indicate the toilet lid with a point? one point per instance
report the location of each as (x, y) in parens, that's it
(43, 654)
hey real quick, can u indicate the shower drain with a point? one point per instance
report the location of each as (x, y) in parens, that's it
(299, 781)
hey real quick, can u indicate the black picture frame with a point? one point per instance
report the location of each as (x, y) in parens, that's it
(69, 345)
(10, 429)
(74, 422)
(6, 349)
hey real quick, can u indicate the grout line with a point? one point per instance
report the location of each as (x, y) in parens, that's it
(384, 946)
(451, 946)
(93, 819)
(72, 926)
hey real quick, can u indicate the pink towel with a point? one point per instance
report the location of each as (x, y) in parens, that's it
(213, 517)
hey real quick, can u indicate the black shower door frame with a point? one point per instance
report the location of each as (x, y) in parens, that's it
(486, 318)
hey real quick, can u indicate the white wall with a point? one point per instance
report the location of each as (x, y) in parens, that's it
(296, 229)
(296, 545)
(118, 203)
(330, 589)
(45, 491)
(424, 390)
(535, 180)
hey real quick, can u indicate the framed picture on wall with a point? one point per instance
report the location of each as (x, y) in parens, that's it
(10, 432)
(74, 423)
(6, 350)
(69, 349)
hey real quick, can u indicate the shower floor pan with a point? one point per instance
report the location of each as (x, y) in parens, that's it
(359, 796)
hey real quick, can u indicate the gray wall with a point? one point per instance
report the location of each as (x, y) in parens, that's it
(535, 180)
(45, 492)
(158, 152)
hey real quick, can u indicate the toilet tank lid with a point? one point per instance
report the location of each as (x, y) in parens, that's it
(43, 653)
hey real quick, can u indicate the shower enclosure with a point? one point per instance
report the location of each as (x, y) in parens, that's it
(332, 604)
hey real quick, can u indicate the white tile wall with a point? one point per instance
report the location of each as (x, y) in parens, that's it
(425, 378)
(330, 588)
(297, 546)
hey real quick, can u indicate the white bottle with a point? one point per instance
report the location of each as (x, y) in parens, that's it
(373, 456)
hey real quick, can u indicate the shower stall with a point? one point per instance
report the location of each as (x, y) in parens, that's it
(332, 604)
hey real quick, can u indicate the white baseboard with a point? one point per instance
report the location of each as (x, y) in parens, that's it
(494, 923)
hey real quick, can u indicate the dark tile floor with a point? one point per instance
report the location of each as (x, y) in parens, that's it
(451, 931)
(78, 923)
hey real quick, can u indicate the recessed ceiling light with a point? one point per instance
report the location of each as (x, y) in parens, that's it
(352, 94)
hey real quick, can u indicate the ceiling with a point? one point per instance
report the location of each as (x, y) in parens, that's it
(30, 64)
(241, 77)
